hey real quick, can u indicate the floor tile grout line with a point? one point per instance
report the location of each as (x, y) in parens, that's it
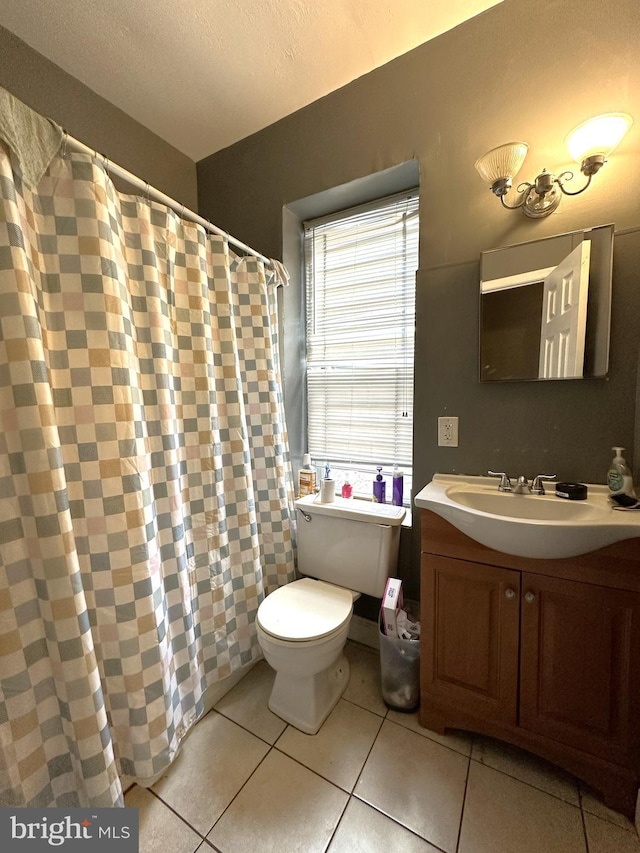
(335, 829)
(529, 784)
(364, 763)
(584, 823)
(350, 794)
(280, 736)
(235, 796)
(365, 708)
(375, 808)
(211, 844)
(524, 782)
(578, 782)
(184, 820)
(245, 729)
(631, 828)
(464, 796)
(177, 814)
(396, 821)
(272, 748)
(433, 740)
(315, 772)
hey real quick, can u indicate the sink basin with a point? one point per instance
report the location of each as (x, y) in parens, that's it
(534, 507)
(539, 526)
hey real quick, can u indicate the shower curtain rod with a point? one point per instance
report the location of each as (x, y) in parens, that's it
(157, 195)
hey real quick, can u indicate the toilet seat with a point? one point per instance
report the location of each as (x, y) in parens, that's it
(305, 610)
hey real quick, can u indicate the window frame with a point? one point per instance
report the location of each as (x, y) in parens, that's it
(363, 470)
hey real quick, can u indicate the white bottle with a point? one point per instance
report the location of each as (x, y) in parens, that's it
(619, 477)
(306, 478)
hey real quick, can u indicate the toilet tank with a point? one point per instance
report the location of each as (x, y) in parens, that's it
(350, 543)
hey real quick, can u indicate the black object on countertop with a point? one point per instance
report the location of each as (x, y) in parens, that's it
(571, 491)
(625, 502)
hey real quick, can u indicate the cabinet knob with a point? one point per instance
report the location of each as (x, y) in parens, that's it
(510, 593)
(529, 597)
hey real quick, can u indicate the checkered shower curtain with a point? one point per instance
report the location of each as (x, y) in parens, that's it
(145, 485)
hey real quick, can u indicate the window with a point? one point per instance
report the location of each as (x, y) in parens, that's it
(360, 268)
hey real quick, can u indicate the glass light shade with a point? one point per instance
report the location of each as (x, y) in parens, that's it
(505, 161)
(598, 135)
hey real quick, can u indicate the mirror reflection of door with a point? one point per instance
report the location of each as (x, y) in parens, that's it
(512, 308)
(564, 313)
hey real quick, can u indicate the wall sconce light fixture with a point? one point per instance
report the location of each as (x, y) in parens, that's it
(589, 144)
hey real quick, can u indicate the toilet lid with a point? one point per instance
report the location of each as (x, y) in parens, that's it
(305, 610)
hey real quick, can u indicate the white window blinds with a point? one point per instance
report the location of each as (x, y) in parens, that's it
(360, 314)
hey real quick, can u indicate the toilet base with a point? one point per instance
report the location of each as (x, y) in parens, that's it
(305, 703)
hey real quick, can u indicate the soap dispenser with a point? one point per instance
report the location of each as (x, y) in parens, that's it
(306, 478)
(379, 487)
(619, 477)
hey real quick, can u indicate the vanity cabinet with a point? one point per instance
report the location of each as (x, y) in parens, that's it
(544, 654)
(470, 657)
(580, 666)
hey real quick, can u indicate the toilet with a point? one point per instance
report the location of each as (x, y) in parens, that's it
(345, 548)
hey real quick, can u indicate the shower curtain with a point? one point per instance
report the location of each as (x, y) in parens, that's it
(145, 485)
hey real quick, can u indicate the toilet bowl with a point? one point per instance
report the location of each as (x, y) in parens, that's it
(347, 548)
(302, 629)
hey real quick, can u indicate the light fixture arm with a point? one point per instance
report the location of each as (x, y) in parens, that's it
(523, 197)
(539, 198)
(543, 196)
(569, 178)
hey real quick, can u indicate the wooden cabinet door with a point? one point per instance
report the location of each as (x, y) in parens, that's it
(470, 624)
(580, 666)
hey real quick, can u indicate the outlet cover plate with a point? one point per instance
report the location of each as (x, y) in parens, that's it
(447, 432)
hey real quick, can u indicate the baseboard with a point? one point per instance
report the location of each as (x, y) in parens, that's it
(364, 631)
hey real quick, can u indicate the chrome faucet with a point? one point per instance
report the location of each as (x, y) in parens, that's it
(504, 484)
(522, 486)
(537, 487)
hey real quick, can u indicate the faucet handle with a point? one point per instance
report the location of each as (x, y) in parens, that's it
(537, 487)
(505, 482)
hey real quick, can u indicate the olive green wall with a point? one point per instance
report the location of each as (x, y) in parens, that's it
(522, 70)
(52, 92)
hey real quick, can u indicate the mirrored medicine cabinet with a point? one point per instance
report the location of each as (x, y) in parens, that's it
(545, 308)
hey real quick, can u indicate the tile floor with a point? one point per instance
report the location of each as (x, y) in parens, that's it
(371, 780)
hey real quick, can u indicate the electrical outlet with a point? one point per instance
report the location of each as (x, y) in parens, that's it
(447, 432)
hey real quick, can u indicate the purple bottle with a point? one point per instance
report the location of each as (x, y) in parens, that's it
(379, 487)
(398, 486)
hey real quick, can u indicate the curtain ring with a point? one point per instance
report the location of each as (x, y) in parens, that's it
(147, 192)
(106, 166)
(182, 211)
(64, 144)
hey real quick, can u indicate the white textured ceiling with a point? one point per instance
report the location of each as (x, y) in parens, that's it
(202, 74)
